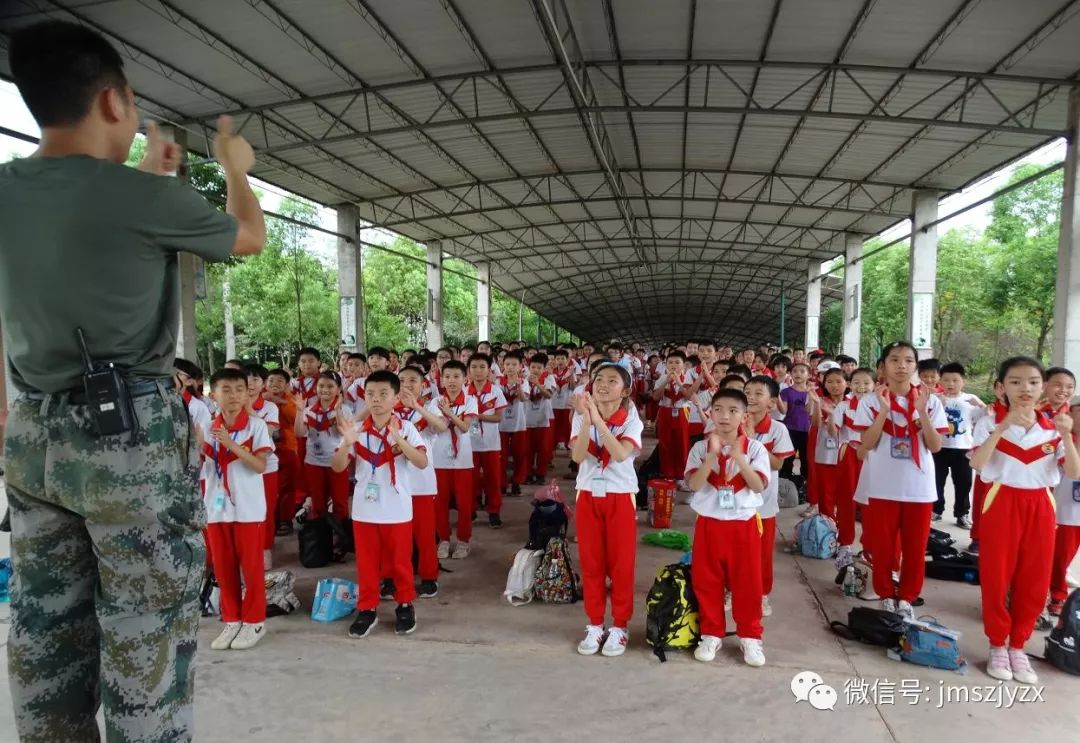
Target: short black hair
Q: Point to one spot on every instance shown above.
(257, 370)
(954, 368)
(1053, 371)
(561, 352)
(539, 358)
(281, 373)
(386, 377)
(768, 382)
(417, 370)
(729, 394)
(676, 354)
(741, 370)
(930, 365)
(188, 367)
(332, 376)
(732, 378)
(516, 355)
(226, 374)
(309, 351)
(380, 352)
(480, 357)
(60, 68)
(455, 364)
(357, 357)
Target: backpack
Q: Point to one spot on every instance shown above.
(341, 537)
(957, 567)
(671, 611)
(872, 626)
(210, 595)
(316, 543)
(815, 536)
(647, 470)
(280, 599)
(1063, 642)
(787, 495)
(940, 543)
(927, 642)
(521, 581)
(556, 582)
(547, 521)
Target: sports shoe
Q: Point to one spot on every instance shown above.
(268, 560)
(964, 522)
(224, 640)
(905, 610)
(1055, 608)
(936, 517)
(429, 589)
(766, 607)
(405, 619)
(594, 633)
(284, 529)
(727, 600)
(249, 636)
(973, 548)
(444, 550)
(753, 652)
(1021, 667)
(386, 590)
(707, 647)
(461, 551)
(494, 521)
(363, 624)
(515, 489)
(998, 665)
(1044, 622)
(615, 644)
(888, 605)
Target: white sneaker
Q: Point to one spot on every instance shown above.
(727, 600)
(249, 636)
(1021, 667)
(615, 644)
(444, 550)
(753, 652)
(707, 647)
(224, 640)
(1070, 579)
(268, 560)
(594, 633)
(766, 607)
(906, 610)
(888, 605)
(998, 664)
(461, 551)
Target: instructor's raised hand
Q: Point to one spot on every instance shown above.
(232, 150)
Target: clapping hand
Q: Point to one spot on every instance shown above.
(232, 150)
(161, 157)
(347, 426)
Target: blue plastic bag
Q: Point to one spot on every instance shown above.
(926, 642)
(335, 598)
(5, 579)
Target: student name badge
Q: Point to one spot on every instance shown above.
(217, 498)
(317, 448)
(900, 448)
(831, 443)
(450, 453)
(1076, 491)
(726, 494)
(371, 493)
(598, 486)
(509, 414)
(474, 428)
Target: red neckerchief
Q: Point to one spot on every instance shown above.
(510, 390)
(1045, 407)
(483, 406)
(358, 393)
(563, 378)
(412, 415)
(828, 407)
(618, 418)
(307, 386)
(673, 393)
(259, 403)
(911, 429)
(762, 428)
(849, 414)
(222, 456)
(719, 479)
(1037, 452)
(999, 410)
(458, 402)
(536, 392)
(324, 419)
(385, 455)
(187, 395)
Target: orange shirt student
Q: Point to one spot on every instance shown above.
(290, 490)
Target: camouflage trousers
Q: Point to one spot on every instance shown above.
(108, 556)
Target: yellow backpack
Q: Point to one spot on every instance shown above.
(671, 611)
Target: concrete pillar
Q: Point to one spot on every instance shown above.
(350, 280)
(853, 249)
(185, 339)
(483, 302)
(813, 304)
(922, 279)
(226, 311)
(1067, 293)
(434, 287)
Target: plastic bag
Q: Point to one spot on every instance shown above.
(5, 579)
(335, 598)
(670, 538)
(552, 491)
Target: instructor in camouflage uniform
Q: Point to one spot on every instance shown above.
(106, 530)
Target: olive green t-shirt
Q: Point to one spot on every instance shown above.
(89, 243)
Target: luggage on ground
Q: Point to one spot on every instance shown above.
(815, 536)
(316, 542)
(521, 580)
(927, 642)
(1063, 642)
(556, 582)
(671, 611)
(872, 626)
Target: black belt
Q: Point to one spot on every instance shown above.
(78, 396)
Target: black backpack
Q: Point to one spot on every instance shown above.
(316, 538)
(957, 567)
(1063, 642)
(341, 537)
(548, 520)
(872, 626)
(940, 543)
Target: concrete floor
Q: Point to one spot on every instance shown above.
(478, 669)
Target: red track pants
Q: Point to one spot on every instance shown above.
(539, 452)
(911, 521)
(673, 432)
(1016, 550)
(301, 472)
(849, 469)
(270, 490)
(456, 484)
(562, 426)
(383, 549)
(288, 485)
(323, 486)
(728, 553)
(826, 483)
(516, 445)
(768, 547)
(423, 528)
(607, 544)
(487, 479)
(1066, 543)
(978, 496)
(237, 549)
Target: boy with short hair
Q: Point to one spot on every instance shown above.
(290, 483)
(382, 501)
(961, 410)
(354, 389)
(454, 460)
(306, 381)
(673, 391)
(930, 374)
(727, 473)
(565, 381)
(234, 459)
(484, 434)
(258, 405)
(189, 377)
(512, 430)
(538, 418)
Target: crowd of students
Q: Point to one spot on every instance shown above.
(417, 435)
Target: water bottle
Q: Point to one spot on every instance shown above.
(850, 586)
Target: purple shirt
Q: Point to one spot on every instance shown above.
(797, 417)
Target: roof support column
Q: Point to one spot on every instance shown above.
(813, 304)
(483, 302)
(185, 339)
(434, 291)
(350, 280)
(1067, 294)
(853, 250)
(922, 280)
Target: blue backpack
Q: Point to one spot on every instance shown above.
(927, 642)
(815, 536)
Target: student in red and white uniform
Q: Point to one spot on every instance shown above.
(305, 384)
(268, 412)
(234, 458)
(538, 416)
(1019, 455)
(824, 439)
(453, 458)
(514, 436)
(761, 395)
(901, 425)
(485, 438)
(1058, 391)
(354, 384)
(604, 440)
(188, 378)
(382, 447)
(862, 384)
(727, 473)
(673, 391)
(565, 377)
(318, 428)
(1067, 536)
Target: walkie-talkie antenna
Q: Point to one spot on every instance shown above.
(87, 361)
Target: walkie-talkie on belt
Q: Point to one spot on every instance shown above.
(106, 394)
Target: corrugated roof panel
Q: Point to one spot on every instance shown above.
(425, 29)
(731, 29)
(1055, 56)
(812, 32)
(508, 32)
(761, 142)
(651, 30)
(895, 32)
(991, 27)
